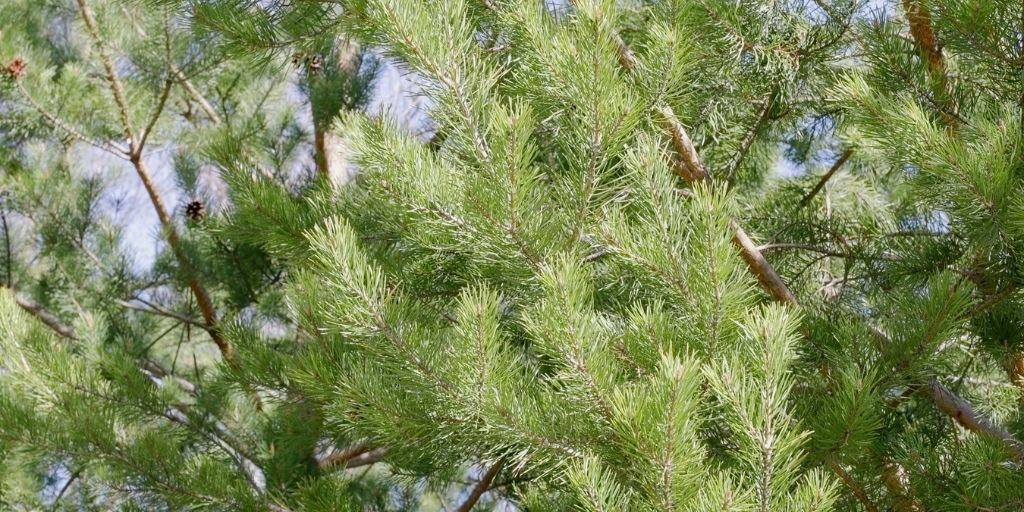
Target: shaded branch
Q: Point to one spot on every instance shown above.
(855, 488)
(64, 488)
(481, 487)
(824, 179)
(48, 319)
(366, 459)
(748, 139)
(336, 457)
(154, 309)
(359, 454)
(894, 477)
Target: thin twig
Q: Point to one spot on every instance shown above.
(154, 309)
(48, 319)
(824, 179)
(481, 487)
(63, 125)
(855, 488)
(748, 139)
(64, 488)
(164, 94)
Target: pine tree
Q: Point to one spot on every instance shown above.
(588, 290)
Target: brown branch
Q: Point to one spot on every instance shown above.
(359, 454)
(64, 488)
(626, 57)
(116, 87)
(190, 88)
(759, 266)
(366, 459)
(335, 458)
(1016, 371)
(330, 149)
(66, 127)
(964, 414)
(154, 309)
(135, 155)
(47, 318)
(855, 488)
(920, 20)
(164, 94)
(894, 477)
(481, 487)
(688, 165)
(824, 179)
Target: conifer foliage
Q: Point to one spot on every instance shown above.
(588, 290)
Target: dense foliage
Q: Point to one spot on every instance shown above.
(676, 255)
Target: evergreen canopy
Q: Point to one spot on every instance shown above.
(588, 287)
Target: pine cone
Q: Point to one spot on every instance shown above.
(194, 210)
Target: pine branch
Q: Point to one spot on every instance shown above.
(964, 414)
(855, 488)
(824, 179)
(116, 87)
(64, 488)
(70, 130)
(154, 309)
(894, 477)
(945, 400)
(920, 20)
(45, 317)
(223, 439)
(481, 487)
(136, 147)
(688, 166)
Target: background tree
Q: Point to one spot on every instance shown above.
(558, 301)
